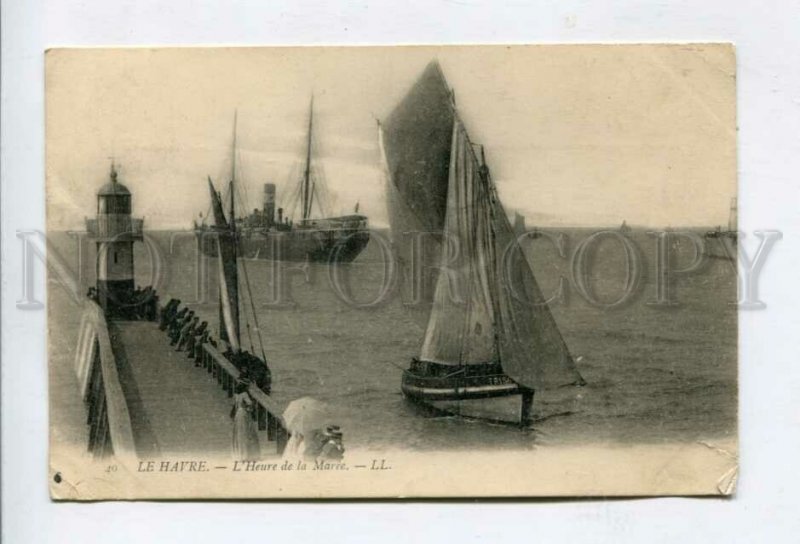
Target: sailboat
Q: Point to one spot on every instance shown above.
(520, 229)
(227, 241)
(732, 224)
(271, 234)
(490, 333)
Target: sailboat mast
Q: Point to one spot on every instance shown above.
(307, 196)
(233, 175)
(488, 195)
(233, 149)
(234, 288)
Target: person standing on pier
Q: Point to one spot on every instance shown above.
(187, 332)
(245, 438)
(176, 321)
(198, 347)
(179, 327)
(149, 310)
(168, 312)
(192, 338)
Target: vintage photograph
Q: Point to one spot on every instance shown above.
(392, 272)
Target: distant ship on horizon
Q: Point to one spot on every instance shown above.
(521, 229)
(726, 240)
(265, 234)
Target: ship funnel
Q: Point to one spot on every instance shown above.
(269, 204)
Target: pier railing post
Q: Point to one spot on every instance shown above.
(267, 411)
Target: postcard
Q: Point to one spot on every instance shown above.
(392, 272)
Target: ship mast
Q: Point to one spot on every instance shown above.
(232, 217)
(307, 192)
(732, 216)
(233, 173)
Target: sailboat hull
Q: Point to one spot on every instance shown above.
(489, 396)
(420, 385)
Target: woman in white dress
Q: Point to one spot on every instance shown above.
(245, 437)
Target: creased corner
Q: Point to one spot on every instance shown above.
(726, 485)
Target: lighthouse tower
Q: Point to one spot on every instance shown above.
(115, 231)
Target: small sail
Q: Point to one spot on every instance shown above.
(228, 272)
(519, 224)
(532, 351)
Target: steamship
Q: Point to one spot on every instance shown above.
(270, 234)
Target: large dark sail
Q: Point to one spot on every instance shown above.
(228, 271)
(416, 138)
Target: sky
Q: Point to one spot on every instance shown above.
(586, 135)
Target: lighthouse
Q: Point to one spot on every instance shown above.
(115, 231)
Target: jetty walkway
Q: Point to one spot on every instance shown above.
(146, 399)
(174, 406)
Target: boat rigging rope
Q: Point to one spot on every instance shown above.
(253, 310)
(249, 336)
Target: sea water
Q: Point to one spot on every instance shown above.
(655, 372)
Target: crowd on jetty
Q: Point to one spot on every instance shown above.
(139, 304)
(187, 333)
